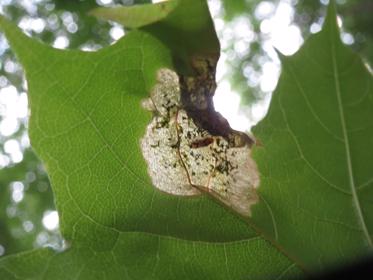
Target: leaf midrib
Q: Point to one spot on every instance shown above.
(355, 198)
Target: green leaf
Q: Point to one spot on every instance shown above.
(317, 157)
(184, 26)
(86, 122)
(136, 16)
(141, 256)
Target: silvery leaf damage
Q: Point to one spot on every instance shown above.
(188, 158)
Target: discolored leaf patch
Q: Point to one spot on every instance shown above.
(186, 159)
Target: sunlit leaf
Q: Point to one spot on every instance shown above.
(137, 15)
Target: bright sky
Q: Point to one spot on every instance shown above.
(280, 33)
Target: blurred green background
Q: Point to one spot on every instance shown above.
(247, 74)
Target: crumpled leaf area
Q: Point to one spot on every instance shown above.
(184, 159)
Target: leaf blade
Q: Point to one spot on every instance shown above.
(313, 180)
(136, 16)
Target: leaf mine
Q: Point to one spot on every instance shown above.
(186, 159)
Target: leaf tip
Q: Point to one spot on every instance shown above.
(99, 13)
(280, 55)
(11, 31)
(92, 12)
(3, 22)
(331, 22)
